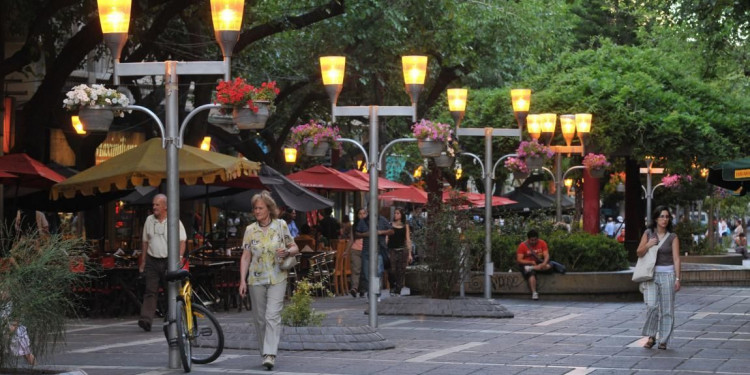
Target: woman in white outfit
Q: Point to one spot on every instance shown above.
(659, 292)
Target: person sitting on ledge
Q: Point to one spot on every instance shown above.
(741, 245)
(532, 256)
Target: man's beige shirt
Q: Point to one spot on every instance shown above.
(155, 233)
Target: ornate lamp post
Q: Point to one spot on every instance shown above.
(332, 70)
(542, 128)
(114, 17)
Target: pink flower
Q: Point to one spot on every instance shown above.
(534, 149)
(314, 132)
(516, 165)
(595, 161)
(426, 129)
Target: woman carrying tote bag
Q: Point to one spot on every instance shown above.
(659, 292)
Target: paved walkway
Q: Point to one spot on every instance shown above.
(544, 337)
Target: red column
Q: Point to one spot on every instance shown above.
(590, 203)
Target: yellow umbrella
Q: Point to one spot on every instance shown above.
(147, 165)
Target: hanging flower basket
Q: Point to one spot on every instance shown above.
(311, 149)
(597, 172)
(518, 175)
(96, 118)
(429, 148)
(245, 118)
(443, 160)
(534, 162)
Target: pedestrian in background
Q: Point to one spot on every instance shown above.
(153, 261)
(659, 292)
(355, 256)
(399, 251)
(363, 231)
(265, 244)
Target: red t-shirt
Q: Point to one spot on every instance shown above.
(539, 249)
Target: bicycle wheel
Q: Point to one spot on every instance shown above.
(207, 338)
(183, 336)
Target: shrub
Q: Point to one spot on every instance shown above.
(442, 239)
(300, 313)
(579, 252)
(38, 282)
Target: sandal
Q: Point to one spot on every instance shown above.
(650, 343)
(663, 346)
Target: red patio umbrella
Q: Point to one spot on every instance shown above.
(29, 172)
(383, 183)
(408, 194)
(320, 177)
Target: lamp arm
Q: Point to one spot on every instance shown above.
(654, 188)
(391, 143)
(361, 148)
(153, 116)
(554, 181)
(477, 158)
(190, 117)
(494, 167)
(572, 169)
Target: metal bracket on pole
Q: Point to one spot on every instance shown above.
(359, 145)
(391, 143)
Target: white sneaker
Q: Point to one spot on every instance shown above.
(535, 296)
(269, 361)
(528, 268)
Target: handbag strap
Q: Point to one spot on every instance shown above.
(661, 242)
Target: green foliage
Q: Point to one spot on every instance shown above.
(444, 248)
(38, 283)
(685, 230)
(299, 312)
(579, 252)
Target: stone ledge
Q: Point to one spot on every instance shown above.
(325, 338)
(730, 259)
(455, 307)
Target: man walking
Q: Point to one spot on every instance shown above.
(153, 261)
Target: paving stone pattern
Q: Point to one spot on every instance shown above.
(712, 335)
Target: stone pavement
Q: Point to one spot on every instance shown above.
(712, 335)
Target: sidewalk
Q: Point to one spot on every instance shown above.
(712, 335)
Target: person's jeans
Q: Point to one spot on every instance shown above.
(365, 282)
(356, 267)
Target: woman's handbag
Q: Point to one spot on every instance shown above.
(288, 263)
(644, 268)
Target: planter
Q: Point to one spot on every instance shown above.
(518, 175)
(443, 161)
(597, 172)
(96, 118)
(534, 162)
(320, 149)
(245, 118)
(429, 148)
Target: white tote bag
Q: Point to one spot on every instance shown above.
(644, 268)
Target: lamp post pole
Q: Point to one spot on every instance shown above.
(227, 19)
(332, 70)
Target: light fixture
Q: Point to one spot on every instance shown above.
(457, 104)
(206, 144)
(418, 172)
(415, 70)
(459, 171)
(521, 100)
(568, 182)
(114, 17)
(583, 126)
(290, 155)
(227, 20)
(77, 125)
(332, 70)
(704, 172)
(568, 128)
(547, 124)
(533, 126)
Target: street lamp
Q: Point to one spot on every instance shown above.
(332, 69)
(457, 104)
(290, 155)
(77, 125)
(114, 17)
(206, 144)
(520, 100)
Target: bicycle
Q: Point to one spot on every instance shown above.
(199, 335)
